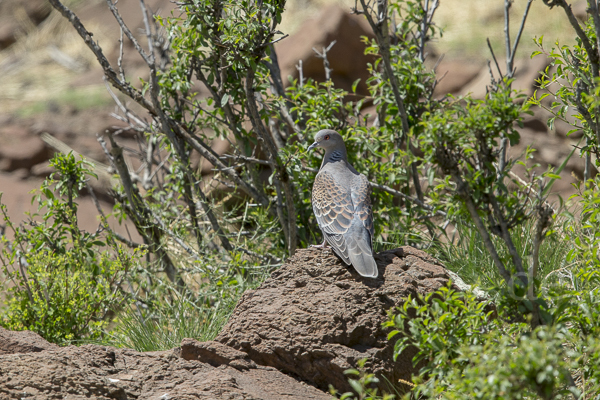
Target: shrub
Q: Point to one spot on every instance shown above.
(59, 281)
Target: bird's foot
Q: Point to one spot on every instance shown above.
(320, 246)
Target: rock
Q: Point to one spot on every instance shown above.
(101, 372)
(527, 71)
(20, 149)
(453, 75)
(346, 57)
(315, 317)
(538, 121)
(215, 354)
(579, 9)
(12, 342)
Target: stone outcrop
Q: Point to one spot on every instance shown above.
(289, 339)
(346, 57)
(315, 317)
(23, 342)
(101, 372)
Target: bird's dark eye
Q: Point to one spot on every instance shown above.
(326, 137)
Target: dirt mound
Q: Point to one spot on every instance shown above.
(23, 342)
(101, 372)
(315, 317)
(304, 326)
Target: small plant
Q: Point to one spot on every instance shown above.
(164, 326)
(438, 324)
(467, 352)
(59, 281)
(516, 367)
(360, 380)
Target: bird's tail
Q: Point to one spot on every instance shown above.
(364, 264)
(360, 252)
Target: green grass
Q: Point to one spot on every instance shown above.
(214, 288)
(468, 257)
(165, 327)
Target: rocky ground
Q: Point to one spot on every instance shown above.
(289, 339)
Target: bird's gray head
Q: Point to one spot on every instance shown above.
(328, 140)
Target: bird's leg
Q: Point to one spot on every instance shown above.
(320, 246)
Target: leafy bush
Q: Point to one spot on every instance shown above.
(60, 283)
(360, 380)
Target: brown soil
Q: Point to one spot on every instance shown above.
(288, 339)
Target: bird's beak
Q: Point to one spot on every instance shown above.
(312, 146)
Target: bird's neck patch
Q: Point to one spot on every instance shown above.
(335, 155)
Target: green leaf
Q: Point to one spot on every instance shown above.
(356, 385)
(224, 99)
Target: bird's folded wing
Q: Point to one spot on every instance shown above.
(332, 204)
(361, 201)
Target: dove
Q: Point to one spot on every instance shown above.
(341, 201)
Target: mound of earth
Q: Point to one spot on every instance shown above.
(315, 317)
(289, 339)
(100, 372)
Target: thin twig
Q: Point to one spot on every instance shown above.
(494, 57)
(463, 191)
(127, 31)
(510, 70)
(104, 220)
(424, 29)
(507, 4)
(109, 72)
(281, 176)
(323, 55)
(301, 74)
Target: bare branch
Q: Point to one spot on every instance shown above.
(301, 74)
(424, 29)
(507, 4)
(494, 57)
(278, 90)
(206, 152)
(510, 69)
(127, 31)
(589, 48)
(141, 214)
(95, 48)
(380, 28)
(463, 192)
(323, 56)
(505, 235)
(281, 176)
